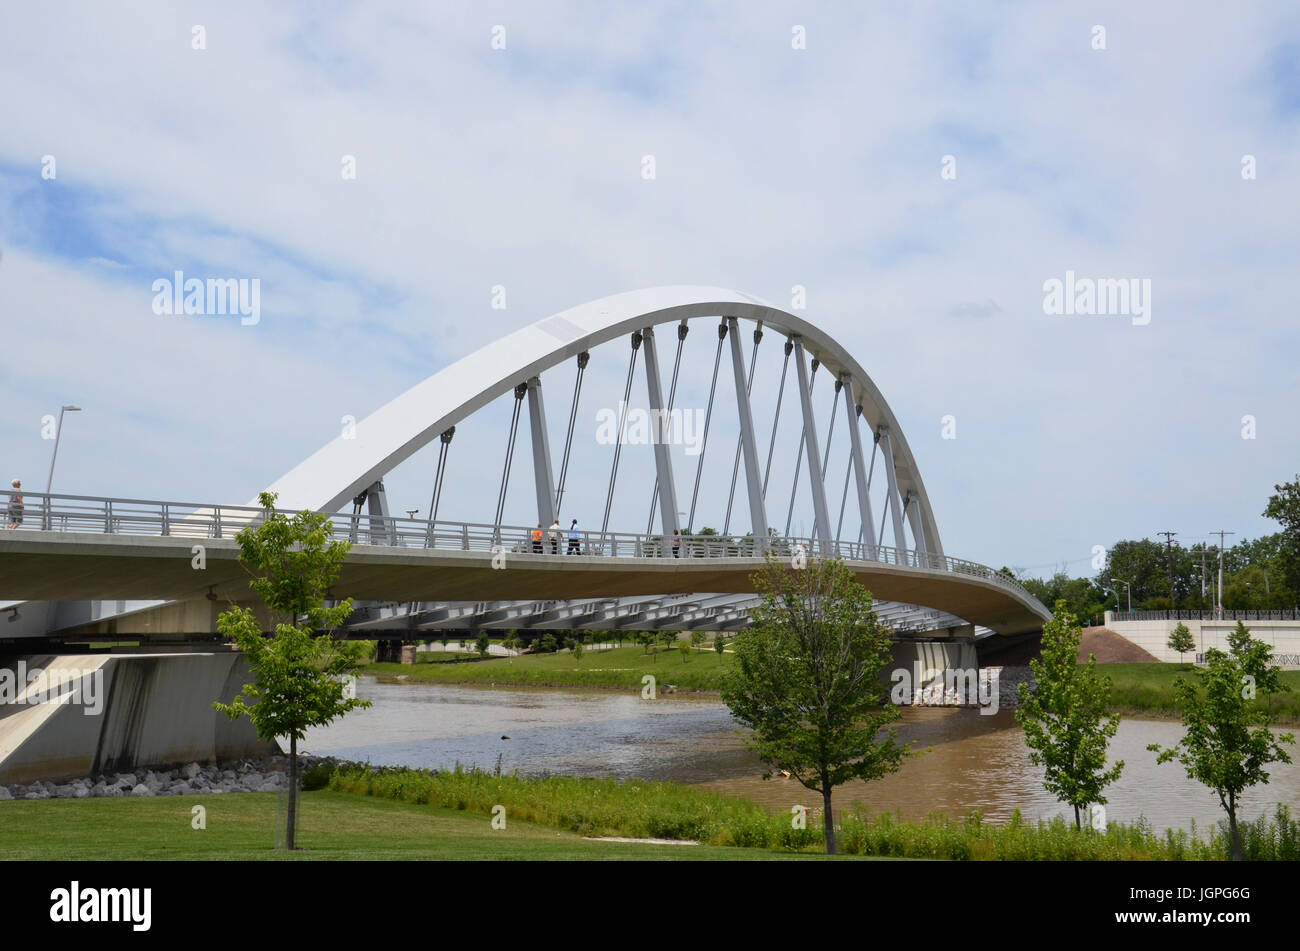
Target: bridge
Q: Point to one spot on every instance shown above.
(84, 566)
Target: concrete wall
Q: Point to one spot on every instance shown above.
(120, 712)
(1153, 636)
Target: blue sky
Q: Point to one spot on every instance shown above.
(521, 167)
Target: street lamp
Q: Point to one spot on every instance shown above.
(1128, 588)
(58, 433)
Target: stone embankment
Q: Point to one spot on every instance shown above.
(270, 774)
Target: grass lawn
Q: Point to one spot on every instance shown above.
(1149, 688)
(614, 667)
(336, 826)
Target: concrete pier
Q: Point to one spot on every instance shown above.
(72, 715)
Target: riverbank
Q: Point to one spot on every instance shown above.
(605, 807)
(1137, 689)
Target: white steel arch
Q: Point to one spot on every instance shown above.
(340, 470)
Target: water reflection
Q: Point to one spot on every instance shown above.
(970, 761)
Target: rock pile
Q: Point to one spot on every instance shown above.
(264, 775)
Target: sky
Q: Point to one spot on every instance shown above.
(923, 170)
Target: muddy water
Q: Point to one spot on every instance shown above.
(964, 760)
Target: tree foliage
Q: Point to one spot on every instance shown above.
(807, 680)
(301, 674)
(1064, 718)
(1180, 639)
(1227, 742)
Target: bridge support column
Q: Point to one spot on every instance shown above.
(895, 498)
(820, 509)
(661, 428)
(542, 471)
(753, 481)
(100, 713)
(854, 409)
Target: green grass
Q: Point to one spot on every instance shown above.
(1149, 688)
(614, 667)
(333, 825)
(674, 811)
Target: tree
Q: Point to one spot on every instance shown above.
(684, 649)
(546, 643)
(1064, 718)
(300, 674)
(577, 652)
(807, 680)
(1180, 639)
(1228, 743)
(482, 644)
(697, 639)
(1284, 508)
(719, 643)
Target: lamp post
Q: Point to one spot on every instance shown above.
(1128, 589)
(58, 434)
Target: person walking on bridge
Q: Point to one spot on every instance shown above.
(555, 533)
(575, 539)
(537, 539)
(15, 510)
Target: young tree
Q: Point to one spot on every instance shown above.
(1228, 742)
(1180, 639)
(807, 680)
(719, 643)
(481, 645)
(577, 652)
(684, 649)
(646, 639)
(697, 639)
(300, 674)
(1064, 718)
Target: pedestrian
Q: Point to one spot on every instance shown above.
(16, 505)
(537, 539)
(575, 539)
(677, 543)
(555, 533)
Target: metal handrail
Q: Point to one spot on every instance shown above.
(1209, 614)
(115, 516)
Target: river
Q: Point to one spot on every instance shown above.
(965, 760)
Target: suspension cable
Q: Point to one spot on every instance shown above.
(848, 472)
(798, 464)
(622, 419)
(871, 471)
(780, 392)
(735, 465)
(520, 390)
(826, 454)
(441, 471)
(682, 331)
(573, 418)
(708, 415)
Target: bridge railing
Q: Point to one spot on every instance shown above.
(113, 516)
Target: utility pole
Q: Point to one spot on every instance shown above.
(1219, 604)
(1169, 547)
(1203, 547)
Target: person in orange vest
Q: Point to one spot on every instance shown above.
(537, 538)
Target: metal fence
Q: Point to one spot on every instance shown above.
(93, 515)
(1288, 614)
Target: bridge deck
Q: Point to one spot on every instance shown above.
(64, 566)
